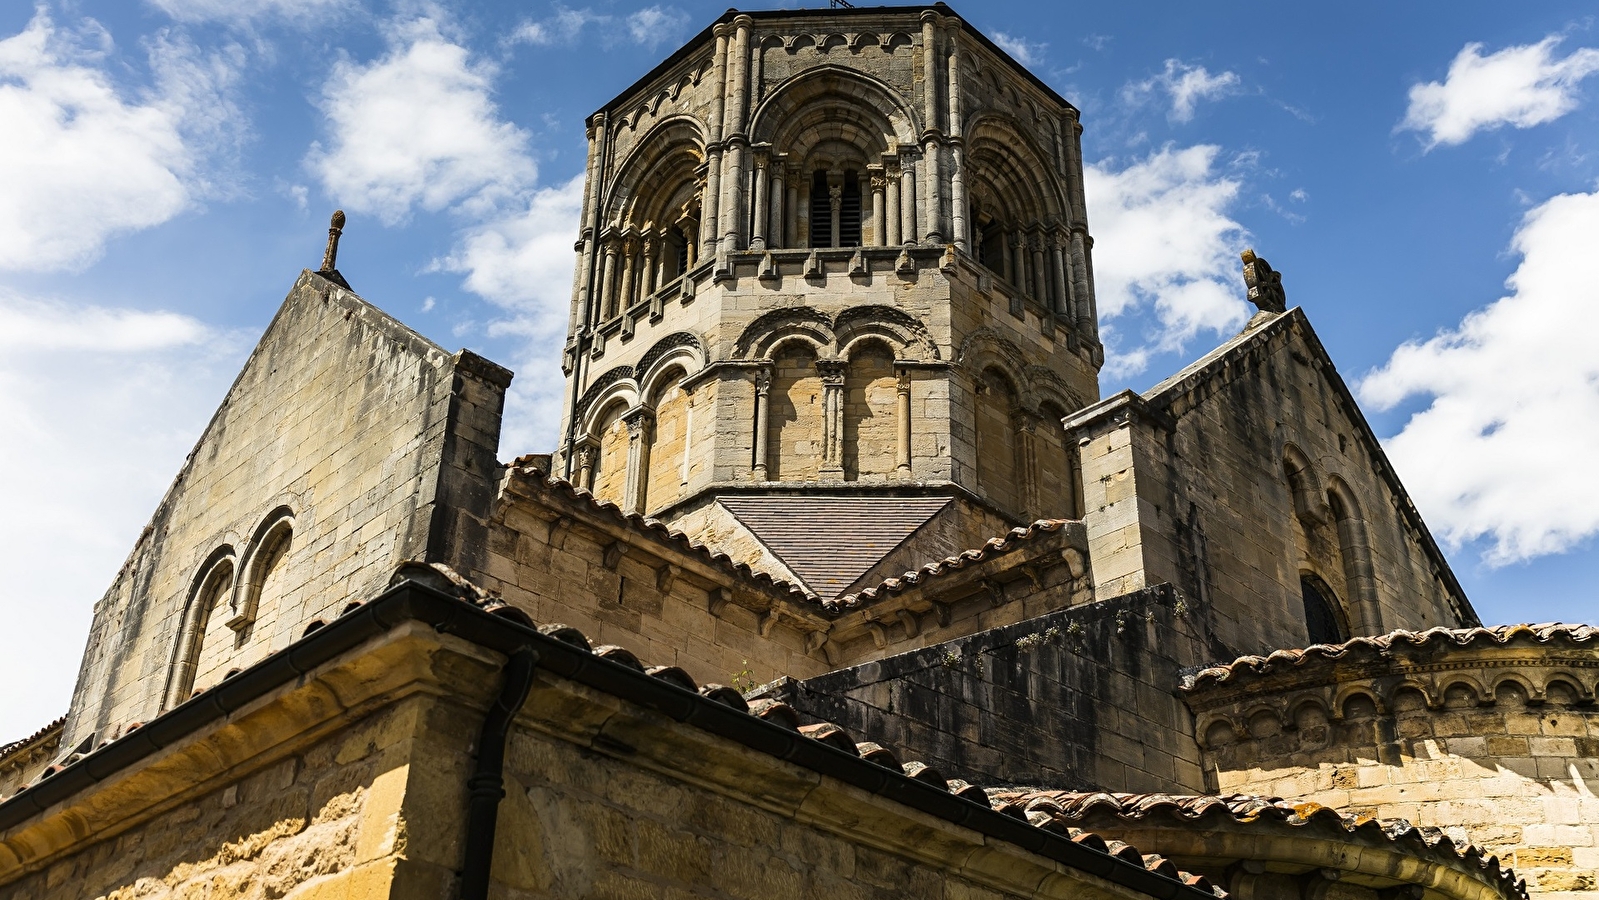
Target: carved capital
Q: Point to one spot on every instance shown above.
(639, 422)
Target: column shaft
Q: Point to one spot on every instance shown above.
(902, 415)
(763, 390)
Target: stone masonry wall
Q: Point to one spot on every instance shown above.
(1188, 484)
(1079, 698)
(1506, 757)
(378, 444)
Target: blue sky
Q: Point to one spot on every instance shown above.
(1424, 175)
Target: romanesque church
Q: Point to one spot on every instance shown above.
(840, 579)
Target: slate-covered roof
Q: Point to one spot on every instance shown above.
(1009, 542)
(1381, 649)
(829, 542)
(1201, 814)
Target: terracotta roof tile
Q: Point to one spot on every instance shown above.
(1072, 808)
(999, 546)
(15, 745)
(1381, 648)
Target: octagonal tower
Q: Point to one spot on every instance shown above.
(840, 256)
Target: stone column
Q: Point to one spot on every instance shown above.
(763, 391)
(640, 432)
(607, 286)
(957, 162)
(1018, 264)
(1027, 459)
(832, 417)
(1040, 274)
(907, 200)
(902, 419)
(710, 201)
(691, 234)
(652, 263)
(879, 185)
(761, 215)
(1063, 302)
(625, 296)
(733, 212)
(835, 201)
(932, 216)
(591, 216)
(775, 236)
(891, 200)
(585, 467)
(1085, 309)
(792, 207)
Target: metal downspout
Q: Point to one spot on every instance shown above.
(487, 784)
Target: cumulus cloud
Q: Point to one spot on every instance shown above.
(1505, 449)
(1184, 86)
(100, 406)
(245, 12)
(1164, 245)
(1519, 86)
(1028, 53)
(418, 127)
(654, 24)
(80, 162)
(522, 262)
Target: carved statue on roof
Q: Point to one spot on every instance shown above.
(1265, 284)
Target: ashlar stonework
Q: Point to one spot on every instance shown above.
(840, 579)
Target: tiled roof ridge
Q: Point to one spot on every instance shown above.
(1248, 809)
(1383, 646)
(7, 749)
(657, 529)
(995, 546)
(433, 574)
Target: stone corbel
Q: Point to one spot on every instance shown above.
(559, 529)
(911, 624)
(716, 600)
(612, 557)
(879, 635)
(665, 577)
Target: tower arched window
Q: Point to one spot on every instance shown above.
(835, 209)
(1322, 620)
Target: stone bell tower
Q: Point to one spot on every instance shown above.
(834, 289)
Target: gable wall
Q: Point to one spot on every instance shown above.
(1206, 501)
(374, 439)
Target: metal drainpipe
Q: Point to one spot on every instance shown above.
(487, 784)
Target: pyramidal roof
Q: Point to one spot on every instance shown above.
(829, 542)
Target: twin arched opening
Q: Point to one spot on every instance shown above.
(1338, 585)
(224, 605)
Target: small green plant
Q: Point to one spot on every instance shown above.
(951, 659)
(743, 680)
(1052, 633)
(1074, 630)
(1028, 641)
(1181, 609)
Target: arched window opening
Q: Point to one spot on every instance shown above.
(871, 392)
(610, 462)
(1057, 469)
(849, 212)
(215, 585)
(1322, 619)
(795, 449)
(821, 211)
(996, 440)
(669, 443)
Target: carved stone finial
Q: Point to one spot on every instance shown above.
(335, 228)
(1265, 284)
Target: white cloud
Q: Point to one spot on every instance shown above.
(1028, 53)
(244, 12)
(654, 24)
(100, 406)
(80, 163)
(649, 27)
(418, 128)
(1505, 450)
(1520, 86)
(1164, 242)
(1184, 85)
(522, 262)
